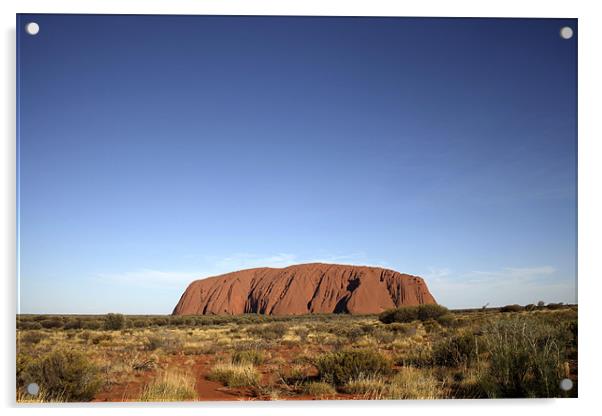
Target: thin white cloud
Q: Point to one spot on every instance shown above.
(149, 277)
(213, 266)
(501, 287)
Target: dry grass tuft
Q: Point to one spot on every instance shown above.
(319, 389)
(235, 375)
(415, 384)
(170, 386)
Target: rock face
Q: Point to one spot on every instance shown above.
(302, 289)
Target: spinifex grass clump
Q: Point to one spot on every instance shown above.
(526, 358)
(171, 386)
(235, 375)
(319, 389)
(254, 357)
(341, 367)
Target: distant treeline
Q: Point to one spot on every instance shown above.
(517, 308)
(116, 321)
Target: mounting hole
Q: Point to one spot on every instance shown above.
(33, 389)
(566, 32)
(32, 28)
(566, 384)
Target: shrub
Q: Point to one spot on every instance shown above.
(554, 306)
(160, 321)
(235, 375)
(63, 375)
(31, 337)
(74, 323)
(405, 314)
(431, 326)
(426, 312)
(455, 350)
(52, 323)
(447, 320)
(319, 389)
(92, 324)
(413, 313)
(26, 325)
(114, 321)
(511, 308)
(170, 387)
(530, 307)
(340, 367)
(140, 323)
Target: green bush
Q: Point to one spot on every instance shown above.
(340, 367)
(426, 312)
(456, 350)
(27, 325)
(160, 321)
(448, 320)
(92, 324)
(114, 321)
(511, 308)
(63, 375)
(405, 314)
(74, 323)
(413, 313)
(272, 331)
(52, 323)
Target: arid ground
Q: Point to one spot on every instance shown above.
(408, 354)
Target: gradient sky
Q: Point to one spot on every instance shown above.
(154, 150)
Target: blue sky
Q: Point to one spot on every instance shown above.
(157, 150)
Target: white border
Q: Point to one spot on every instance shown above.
(590, 206)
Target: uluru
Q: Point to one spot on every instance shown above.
(304, 289)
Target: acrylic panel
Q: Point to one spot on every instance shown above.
(295, 208)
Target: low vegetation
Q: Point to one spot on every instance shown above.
(171, 386)
(235, 375)
(413, 313)
(62, 375)
(341, 367)
(422, 352)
